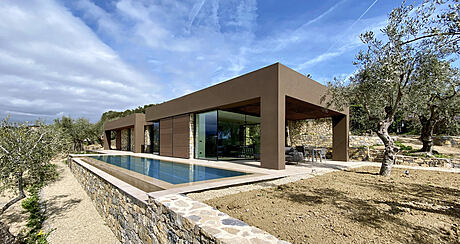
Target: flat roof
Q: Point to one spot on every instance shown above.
(275, 80)
(125, 122)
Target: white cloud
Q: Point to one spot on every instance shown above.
(51, 63)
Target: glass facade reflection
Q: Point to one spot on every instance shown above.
(206, 135)
(223, 135)
(155, 137)
(153, 146)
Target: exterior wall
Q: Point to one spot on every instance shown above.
(169, 219)
(132, 139)
(134, 121)
(118, 139)
(181, 136)
(107, 140)
(166, 137)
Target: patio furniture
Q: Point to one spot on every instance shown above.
(292, 155)
(302, 149)
(320, 152)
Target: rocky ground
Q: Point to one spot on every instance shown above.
(355, 206)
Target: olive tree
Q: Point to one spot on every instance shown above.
(433, 97)
(78, 131)
(386, 68)
(25, 154)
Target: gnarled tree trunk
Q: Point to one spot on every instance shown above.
(389, 153)
(428, 125)
(427, 135)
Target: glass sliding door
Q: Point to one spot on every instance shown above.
(230, 140)
(252, 136)
(155, 137)
(206, 135)
(224, 135)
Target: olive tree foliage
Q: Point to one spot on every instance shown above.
(25, 154)
(386, 67)
(433, 97)
(79, 131)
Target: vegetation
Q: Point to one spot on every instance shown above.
(433, 97)
(111, 115)
(25, 155)
(35, 220)
(78, 131)
(403, 147)
(386, 69)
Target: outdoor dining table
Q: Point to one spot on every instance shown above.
(315, 150)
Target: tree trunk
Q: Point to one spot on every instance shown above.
(16, 199)
(428, 125)
(5, 234)
(389, 153)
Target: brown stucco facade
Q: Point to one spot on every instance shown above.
(136, 122)
(276, 93)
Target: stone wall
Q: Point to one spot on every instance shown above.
(136, 218)
(449, 141)
(124, 140)
(316, 133)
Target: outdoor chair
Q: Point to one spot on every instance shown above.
(319, 152)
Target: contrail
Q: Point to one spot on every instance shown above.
(195, 12)
(356, 21)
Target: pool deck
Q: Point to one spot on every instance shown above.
(258, 174)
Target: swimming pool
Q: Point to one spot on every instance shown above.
(171, 172)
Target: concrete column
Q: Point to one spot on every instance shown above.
(138, 136)
(340, 129)
(118, 140)
(107, 140)
(272, 132)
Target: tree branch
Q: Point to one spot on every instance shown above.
(6, 151)
(431, 35)
(16, 199)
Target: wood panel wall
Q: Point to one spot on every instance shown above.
(181, 136)
(166, 137)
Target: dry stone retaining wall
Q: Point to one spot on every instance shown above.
(168, 219)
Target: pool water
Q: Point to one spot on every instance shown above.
(174, 173)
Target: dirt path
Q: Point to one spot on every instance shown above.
(71, 213)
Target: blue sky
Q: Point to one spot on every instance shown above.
(81, 58)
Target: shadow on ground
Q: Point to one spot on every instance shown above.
(58, 205)
(392, 206)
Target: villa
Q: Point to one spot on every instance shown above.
(242, 118)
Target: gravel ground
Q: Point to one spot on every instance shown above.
(355, 206)
(15, 216)
(210, 194)
(71, 213)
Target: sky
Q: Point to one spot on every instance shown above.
(80, 58)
